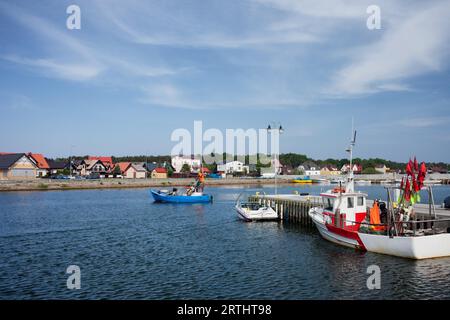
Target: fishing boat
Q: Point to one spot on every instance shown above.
(303, 180)
(166, 196)
(255, 211)
(390, 228)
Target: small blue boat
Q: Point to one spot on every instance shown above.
(161, 196)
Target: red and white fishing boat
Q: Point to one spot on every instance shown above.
(391, 228)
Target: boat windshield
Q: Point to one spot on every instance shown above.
(328, 204)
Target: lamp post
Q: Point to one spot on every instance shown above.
(271, 128)
(70, 160)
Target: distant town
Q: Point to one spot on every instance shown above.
(17, 166)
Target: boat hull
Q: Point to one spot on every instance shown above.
(422, 247)
(336, 235)
(165, 198)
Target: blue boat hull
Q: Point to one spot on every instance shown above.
(162, 197)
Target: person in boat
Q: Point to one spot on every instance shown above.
(200, 182)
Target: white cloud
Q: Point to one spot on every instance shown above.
(77, 72)
(413, 46)
(424, 122)
(72, 59)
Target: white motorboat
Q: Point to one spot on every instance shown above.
(255, 211)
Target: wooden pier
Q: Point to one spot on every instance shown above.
(295, 208)
(290, 208)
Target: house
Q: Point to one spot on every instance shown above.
(357, 168)
(17, 166)
(179, 161)
(438, 169)
(132, 170)
(232, 167)
(42, 164)
(159, 173)
(381, 168)
(55, 166)
(87, 167)
(310, 168)
(107, 161)
(150, 166)
(329, 170)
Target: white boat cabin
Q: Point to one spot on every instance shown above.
(345, 210)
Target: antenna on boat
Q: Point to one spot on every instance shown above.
(350, 180)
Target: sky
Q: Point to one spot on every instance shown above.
(138, 70)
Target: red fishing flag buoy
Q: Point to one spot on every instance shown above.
(409, 168)
(416, 165)
(408, 191)
(416, 187)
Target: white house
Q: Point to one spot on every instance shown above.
(310, 168)
(179, 161)
(233, 167)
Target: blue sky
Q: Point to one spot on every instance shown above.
(137, 70)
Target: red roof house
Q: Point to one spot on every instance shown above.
(107, 161)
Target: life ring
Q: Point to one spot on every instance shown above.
(338, 190)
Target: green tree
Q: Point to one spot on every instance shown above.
(117, 171)
(186, 168)
(370, 171)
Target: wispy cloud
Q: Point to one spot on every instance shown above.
(414, 45)
(424, 122)
(16, 102)
(142, 24)
(57, 69)
(70, 58)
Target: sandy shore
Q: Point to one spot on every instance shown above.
(48, 184)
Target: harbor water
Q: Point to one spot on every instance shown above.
(128, 247)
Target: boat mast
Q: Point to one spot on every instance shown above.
(350, 179)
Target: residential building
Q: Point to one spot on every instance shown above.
(310, 168)
(17, 166)
(382, 169)
(232, 167)
(43, 168)
(159, 173)
(55, 166)
(87, 167)
(132, 170)
(179, 161)
(329, 170)
(357, 168)
(107, 161)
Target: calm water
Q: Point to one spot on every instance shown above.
(130, 248)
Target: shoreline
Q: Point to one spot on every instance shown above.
(52, 185)
(43, 184)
